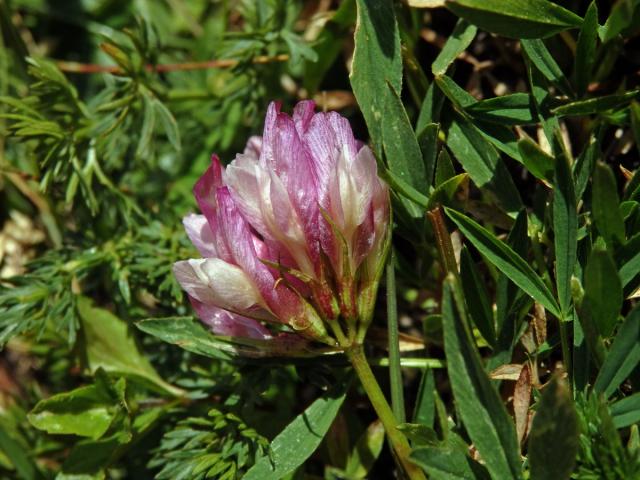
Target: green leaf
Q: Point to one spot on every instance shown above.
(430, 108)
(366, 451)
(424, 412)
(565, 230)
(148, 124)
(512, 109)
(445, 463)
(506, 260)
(445, 193)
(187, 333)
(623, 14)
(477, 298)
(298, 48)
(538, 162)
(86, 411)
(539, 55)
(623, 356)
(605, 205)
(299, 439)
(483, 163)
(454, 92)
(634, 110)
(626, 412)
(516, 18)
(169, 124)
(603, 291)
(485, 418)
(329, 44)
(401, 187)
(583, 166)
(631, 266)
(461, 37)
(25, 467)
(445, 169)
(554, 436)
(586, 50)
(110, 345)
(595, 105)
(428, 141)
(401, 148)
(376, 61)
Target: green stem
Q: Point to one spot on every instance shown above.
(410, 362)
(564, 342)
(398, 441)
(395, 373)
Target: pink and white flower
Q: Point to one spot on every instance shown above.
(290, 232)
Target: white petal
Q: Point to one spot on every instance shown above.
(216, 282)
(200, 234)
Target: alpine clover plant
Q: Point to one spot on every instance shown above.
(493, 194)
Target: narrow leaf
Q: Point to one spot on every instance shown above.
(481, 409)
(586, 50)
(553, 441)
(376, 61)
(596, 105)
(461, 37)
(516, 18)
(401, 148)
(295, 444)
(512, 109)
(565, 228)
(483, 163)
(539, 55)
(507, 261)
(623, 356)
(603, 291)
(538, 162)
(477, 298)
(605, 205)
(626, 412)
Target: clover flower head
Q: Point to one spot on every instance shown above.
(292, 233)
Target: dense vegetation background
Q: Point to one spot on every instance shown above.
(109, 112)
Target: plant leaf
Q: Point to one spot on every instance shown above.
(111, 346)
(586, 50)
(516, 18)
(481, 409)
(483, 163)
(461, 37)
(605, 205)
(508, 261)
(565, 230)
(623, 356)
(376, 61)
(553, 440)
(603, 291)
(626, 412)
(401, 148)
(299, 439)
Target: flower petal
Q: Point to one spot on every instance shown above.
(200, 234)
(216, 282)
(223, 322)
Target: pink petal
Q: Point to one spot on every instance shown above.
(200, 234)
(229, 324)
(205, 188)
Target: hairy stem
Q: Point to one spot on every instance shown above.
(398, 441)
